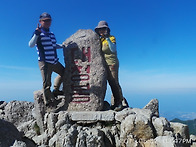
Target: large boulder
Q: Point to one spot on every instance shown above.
(19, 112)
(181, 130)
(153, 106)
(8, 134)
(39, 110)
(85, 74)
(161, 125)
(138, 125)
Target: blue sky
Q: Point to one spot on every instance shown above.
(155, 42)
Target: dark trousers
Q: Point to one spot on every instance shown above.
(112, 73)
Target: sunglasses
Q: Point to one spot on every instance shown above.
(104, 28)
(47, 20)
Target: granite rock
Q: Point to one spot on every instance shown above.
(85, 73)
(131, 127)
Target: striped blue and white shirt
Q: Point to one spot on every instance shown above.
(46, 46)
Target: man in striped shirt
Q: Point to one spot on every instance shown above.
(45, 42)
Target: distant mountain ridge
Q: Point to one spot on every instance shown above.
(191, 124)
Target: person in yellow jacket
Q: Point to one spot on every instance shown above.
(110, 54)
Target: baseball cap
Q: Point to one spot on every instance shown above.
(44, 16)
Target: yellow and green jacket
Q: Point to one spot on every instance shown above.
(110, 57)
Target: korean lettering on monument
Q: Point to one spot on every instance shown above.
(80, 70)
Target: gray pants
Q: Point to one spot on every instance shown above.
(46, 72)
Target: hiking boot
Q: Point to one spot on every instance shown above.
(118, 107)
(57, 92)
(51, 107)
(48, 97)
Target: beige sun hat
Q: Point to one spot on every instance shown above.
(102, 24)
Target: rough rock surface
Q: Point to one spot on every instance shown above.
(153, 106)
(39, 110)
(85, 74)
(8, 133)
(193, 139)
(131, 127)
(18, 112)
(11, 136)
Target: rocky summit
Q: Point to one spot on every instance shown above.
(131, 127)
(80, 117)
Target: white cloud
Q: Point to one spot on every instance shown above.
(188, 116)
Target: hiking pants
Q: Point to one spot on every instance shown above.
(46, 72)
(112, 77)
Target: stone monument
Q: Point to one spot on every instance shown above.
(85, 74)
